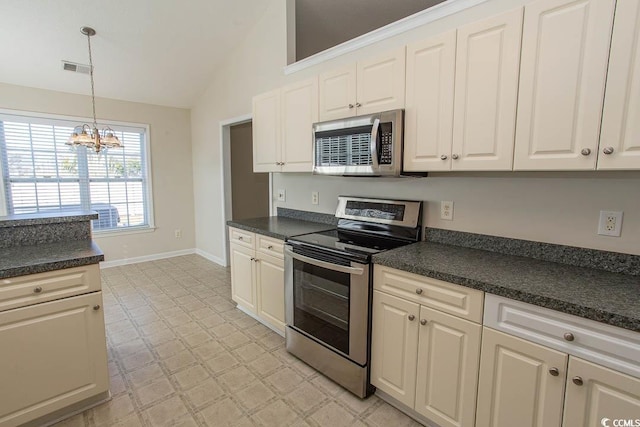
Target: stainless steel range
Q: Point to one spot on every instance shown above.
(328, 286)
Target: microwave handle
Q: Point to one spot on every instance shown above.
(374, 143)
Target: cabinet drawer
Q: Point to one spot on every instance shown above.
(241, 237)
(444, 296)
(597, 342)
(270, 246)
(36, 288)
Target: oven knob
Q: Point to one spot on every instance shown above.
(418, 291)
(411, 317)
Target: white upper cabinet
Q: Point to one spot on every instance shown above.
(266, 132)
(370, 86)
(299, 112)
(486, 89)
(380, 83)
(429, 103)
(565, 48)
(338, 93)
(620, 135)
(282, 120)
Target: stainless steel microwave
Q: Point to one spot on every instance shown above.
(368, 145)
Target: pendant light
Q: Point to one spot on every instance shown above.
(85, 134)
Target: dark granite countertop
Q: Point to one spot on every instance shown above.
(46, 218)
(279, 227)
(603, 296)
(22, 260)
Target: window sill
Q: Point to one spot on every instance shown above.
(122, 231)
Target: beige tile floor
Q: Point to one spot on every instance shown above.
(181, 354)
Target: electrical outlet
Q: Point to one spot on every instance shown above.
(178, 233)
(610, 223)
(314, 198)
(282, 195)
(446, 210)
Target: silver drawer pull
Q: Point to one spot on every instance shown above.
(607, 150)
(569, 336)
(423, 322)
(270, 247)
(358, 105)
(411, 317)
(37, 289)
(444, 157)
(455, 156)
(577, 380)
(554, 372)
(240, 238)
(96, 307)
(419, 291)
(585, 151)
(351, 105)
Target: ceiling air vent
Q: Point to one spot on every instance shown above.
(75, 67)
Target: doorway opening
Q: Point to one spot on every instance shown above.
(245, 194)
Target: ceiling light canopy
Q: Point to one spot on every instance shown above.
(89, 135)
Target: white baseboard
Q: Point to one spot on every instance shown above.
(210, 257)
(145, 258)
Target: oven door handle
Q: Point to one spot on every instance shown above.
(374, 144)
(341, 268)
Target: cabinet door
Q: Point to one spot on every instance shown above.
(266, 132)
(299, 113)
(516, 386)
(270, 290)
(602, 394)
(565, 48)
(620, 136)
(447, 375)
(394, 346)
(429, 110)
(243, 288)
(381, 83)
(337, 92)
(486, 90)
(53, 355)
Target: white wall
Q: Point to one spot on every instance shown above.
(171, 170)
(551, 207)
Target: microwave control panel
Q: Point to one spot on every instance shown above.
(386, 144)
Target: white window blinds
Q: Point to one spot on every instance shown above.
(41, 173)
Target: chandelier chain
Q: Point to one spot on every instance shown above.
(93, 95)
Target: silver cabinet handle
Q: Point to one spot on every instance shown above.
(569, 336)
(454, 156)
(270, 247)
(554, 372)
(411, 317)
(585, 151)
(577, 380)
(351, 105)
(607, 150)
(253, 259)
(358, 105)
(240, 238)
(423, 322)
(419, 291)
(329, 266)
(444, 157)
(37, 289)
(96, 307)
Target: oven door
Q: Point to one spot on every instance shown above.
(328, 301)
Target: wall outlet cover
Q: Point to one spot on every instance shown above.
(314, 198)
(610, 223)
(446, 210)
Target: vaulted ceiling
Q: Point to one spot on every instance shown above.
(153, 51)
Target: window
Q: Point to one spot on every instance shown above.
(40, 173)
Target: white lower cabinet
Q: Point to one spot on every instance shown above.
(423, 358)
(52, 355)
(257, 276)
(521, 383)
